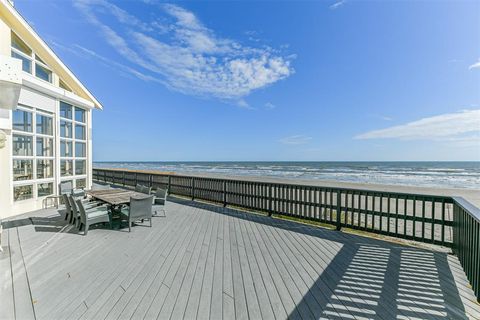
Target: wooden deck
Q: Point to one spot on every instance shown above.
(208, 262)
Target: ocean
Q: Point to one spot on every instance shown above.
(464, 175)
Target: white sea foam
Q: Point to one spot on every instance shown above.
(431, 174)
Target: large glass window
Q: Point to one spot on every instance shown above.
(22, 169)
(73, 162)
(44, 125)
(22, 120)
(81, 183)
(65, 110)
(22, 145)
(80, 167)
(80, 151)
(33, 152)
(79, 115)
(66, 149)
(66, 167)
(22, 192)
(44, 147)
(65, 129)
(80, 132)
(44, 169)
(45, 189)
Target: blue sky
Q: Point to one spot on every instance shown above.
(316, 80)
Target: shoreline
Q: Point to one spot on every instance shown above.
(471, 195)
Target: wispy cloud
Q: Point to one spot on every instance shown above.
(460, 126)
(270, 106)
(475, 65)
(337, 4)
(184, 55)
(296, 139)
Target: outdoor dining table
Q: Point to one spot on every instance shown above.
(115, 197)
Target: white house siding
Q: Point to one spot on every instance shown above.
(42, 96)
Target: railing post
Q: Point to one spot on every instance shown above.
(123, 178)
(270, 193)
(193, 188)
(150, 180)
(224, 193)
(169, 183)
(339, 214)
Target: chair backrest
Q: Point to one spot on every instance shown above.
(65, 187)
(75, 208)
(146, 190)
(81, 211)
(78, 193)
(67, 203)
(161, 196)
(138, 188)
(141, 208)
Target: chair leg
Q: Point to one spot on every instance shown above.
(86, 229)
(150, 222)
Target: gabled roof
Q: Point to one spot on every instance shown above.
(20, 26)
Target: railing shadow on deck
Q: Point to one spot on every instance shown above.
(366, 277)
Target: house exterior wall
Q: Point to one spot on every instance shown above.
(39, 97)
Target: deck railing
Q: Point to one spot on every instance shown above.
(442, 220)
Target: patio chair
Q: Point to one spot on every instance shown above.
(146, 190)
(139, 209)
(138, 188)
(68, 208)
(66, 187)
(87, 205)
(159, 201)
(92, 216)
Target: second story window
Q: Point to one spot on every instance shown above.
(31, 62)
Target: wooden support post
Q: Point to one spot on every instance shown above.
(193, 188)
(270, 200)
(339, 214)
(224, 193)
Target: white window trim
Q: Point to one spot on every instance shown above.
(34, 181)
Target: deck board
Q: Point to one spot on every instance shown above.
(7, 311)
(209, 262)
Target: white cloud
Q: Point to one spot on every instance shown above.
(475, 65)
(459, 126)
(270, 105)
(337, 4)
(296, 139)
(185, 55)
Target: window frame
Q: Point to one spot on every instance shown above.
(33, 58)
(34, 158)
(74, 140)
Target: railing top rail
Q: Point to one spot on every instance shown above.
(448, 199)
(467, 206)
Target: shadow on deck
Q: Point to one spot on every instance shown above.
(205, 261)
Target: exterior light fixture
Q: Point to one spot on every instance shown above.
(10, 82)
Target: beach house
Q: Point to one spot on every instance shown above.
(45, 119)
